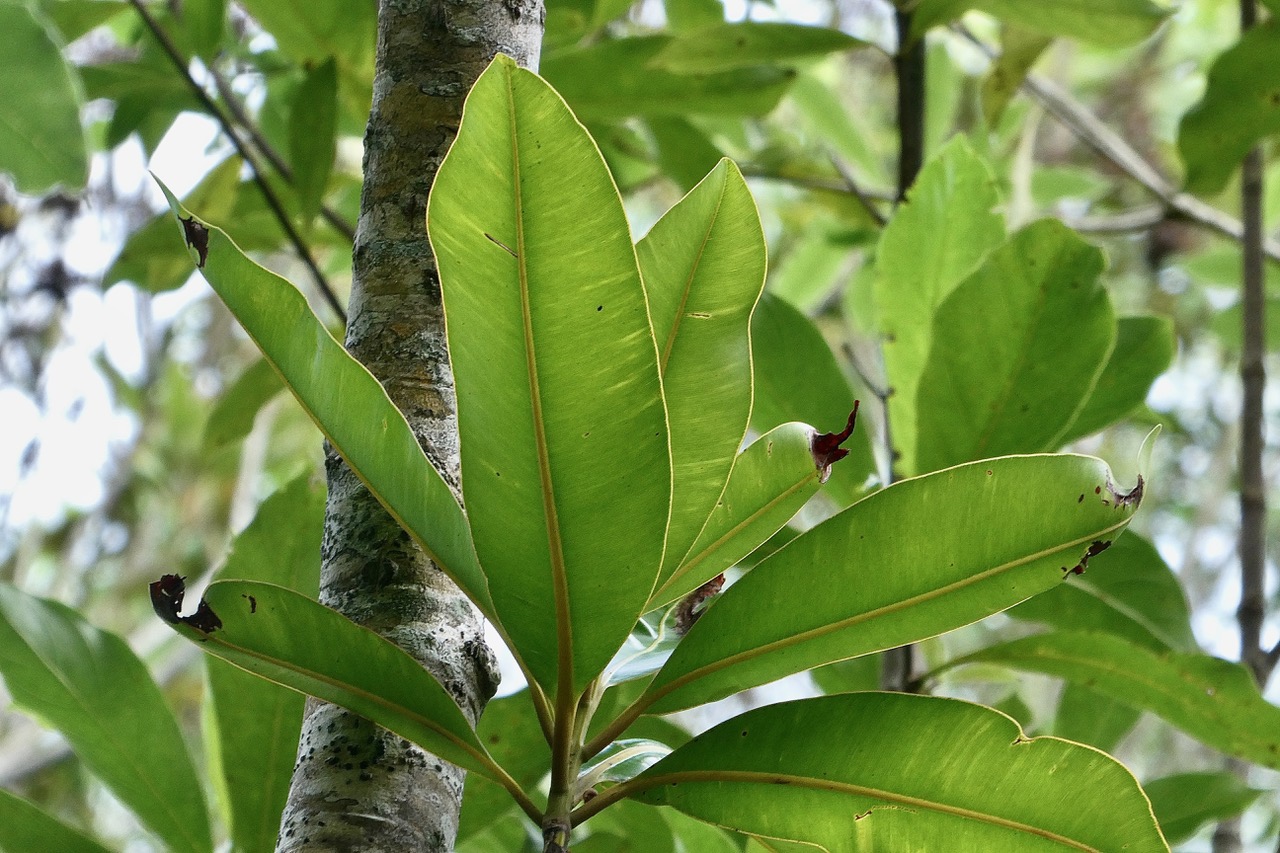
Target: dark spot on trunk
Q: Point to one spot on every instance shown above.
(197, 237)
(826, 447)
(166, 599)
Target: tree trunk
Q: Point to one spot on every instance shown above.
(356, 786)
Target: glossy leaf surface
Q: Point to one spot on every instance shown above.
(347, 403)
(897, 567)
(565, 460)
(91, 687)
(1144, 349)
(1128, 590)
(935, 239)
(271, 631)
(771, 480)
(1016, 350)
(703, 269)
(836, 771)
(41, 143)
(1210, 699)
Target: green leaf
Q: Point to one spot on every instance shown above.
(812, 268)
(565, 455)
(1021, 47)
(1128, 590)
(74, 18)
(771, 480)
(287, 638)
(935, 239)
(41, 142)
(743, 44)
(203, 24)
(24, 827)
(612, 79)
(1185, 802)
(1016, 390)
(797, 379)
(509, 730)
(647, 648)
(619, 761)
(836, 771)
(233, 414)
(1240, 107)
(347, 403)
(694, 836)
(151, 258)
(1208, 698)
(254, 724)
(897, 567)
(313, 125)
(1107, 22)
(703, 269)
(87, 684)
(1144, 349)
(685, 153)
(690, 15)
(1086, 716)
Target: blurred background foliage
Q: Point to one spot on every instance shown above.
(139, 431)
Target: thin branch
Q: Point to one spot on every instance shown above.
(1091, 130)
(863, 198)
(335, 219)
(812, 182)
(1127, 221)
(180, 64)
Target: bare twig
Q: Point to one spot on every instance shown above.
(852, 185)
(273, 201)
(246, 124)
(1091, 130)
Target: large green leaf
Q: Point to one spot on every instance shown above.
(41, 142)
(703, 268)
(1127, 591)
(837, 771)
(88, 685)
(1186, 801)
(254, 724)
(1241, 106)
(612, 79)
(1016, 350)
(1208, 698)
(728, 46)
(565, 457)
(1021, 47)
(935, 239)
(1144, 349)
(797, 379)
(1107, 22)
(897, 567)
(24, 827)
(1086, 716)
(275, 633)
(771, 480)
(344, 399)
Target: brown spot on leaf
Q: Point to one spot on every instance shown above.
(1095, 548)
(826, 447)
(166, 600)
(693, 605)
(197, 237)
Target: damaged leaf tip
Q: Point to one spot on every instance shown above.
(166, 599)
(826, 447)
(197, 237)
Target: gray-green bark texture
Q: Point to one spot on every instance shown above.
(356, 786)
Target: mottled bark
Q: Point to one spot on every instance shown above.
(355, 786)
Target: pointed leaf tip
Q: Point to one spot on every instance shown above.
(826, 447)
